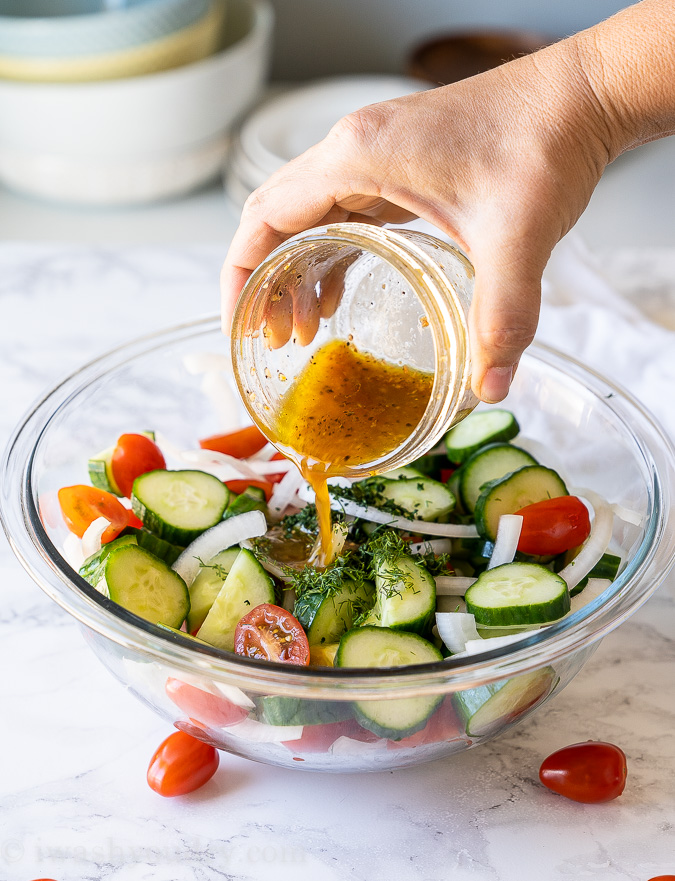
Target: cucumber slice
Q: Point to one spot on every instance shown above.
(424, 498)
(477, 430)
(93, 568)
(252, 499)
(157, 546)
(382, 647)
(326, 616)
(100, 472)
(247, 585)
(517, 593)
(489, 463)
(405, 595)
(207, 585)
(146, 586)
(408, 472)
(487, 709)
(179, 505)
(509, 494)
(277, 710)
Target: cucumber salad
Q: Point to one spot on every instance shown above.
(472, 547)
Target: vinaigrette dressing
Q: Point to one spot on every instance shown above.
(346, 408)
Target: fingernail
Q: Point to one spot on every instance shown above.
(496, 383)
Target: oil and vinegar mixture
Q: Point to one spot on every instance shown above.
(347, 408)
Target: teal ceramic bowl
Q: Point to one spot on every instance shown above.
(73, 28)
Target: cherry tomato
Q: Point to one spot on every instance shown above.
(663, 878)
(270, 633)
(135, 454)
(446, 474)
(588, 772)
(241, 444)
(181, 764)
(205, 709)
(553, 526)
(238, 486)
(134, 520)
(81, 505)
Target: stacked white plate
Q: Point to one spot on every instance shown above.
(288, 124)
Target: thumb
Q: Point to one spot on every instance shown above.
(504, 315)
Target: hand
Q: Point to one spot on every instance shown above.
(504, 163)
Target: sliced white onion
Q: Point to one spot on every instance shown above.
(452, 585)
(366, 512)
(72, 551)
(265, 454)
(506, 542)
(285, 492)
(474, 646)
(597, 542)
(455, 629)
(431, 546)
(265, 466)
(224, 535)
(233, 694)
(593, 589)
(349, 746)
(91, 540)
(207, 362)
(212, 462)
(261, 732)
(627, 515)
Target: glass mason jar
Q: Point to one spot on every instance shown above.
(398, 295)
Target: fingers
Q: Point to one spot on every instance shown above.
(504, 315)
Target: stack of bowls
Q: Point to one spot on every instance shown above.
(125, 105)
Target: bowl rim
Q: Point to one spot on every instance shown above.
(650, 564)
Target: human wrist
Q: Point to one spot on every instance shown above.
(629, 66)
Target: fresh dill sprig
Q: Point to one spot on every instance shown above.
(220, 570)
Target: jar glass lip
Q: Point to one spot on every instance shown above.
(448, 322)
(643, 573)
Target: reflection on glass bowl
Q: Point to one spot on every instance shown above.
(309, 717)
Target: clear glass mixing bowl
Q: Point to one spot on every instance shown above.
(603, 437)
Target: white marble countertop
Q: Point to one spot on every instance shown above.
(74, 803)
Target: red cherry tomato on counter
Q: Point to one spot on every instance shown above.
(135, 454)
(206, 709)
(553, 526)
(588, 772)
(181, 764)
(81, 505)
(663, 878)
(270, 633)
(238, 486)
(241, 444)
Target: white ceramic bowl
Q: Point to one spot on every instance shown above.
(139, 139)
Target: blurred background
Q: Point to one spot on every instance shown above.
(151, 120)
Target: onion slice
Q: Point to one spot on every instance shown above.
(597, 542)
(91, 540)
(375, 515)
(431, 546)
(285, 492)
(455, 629)
(506, 542)
(224, 535)
(261, 732)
